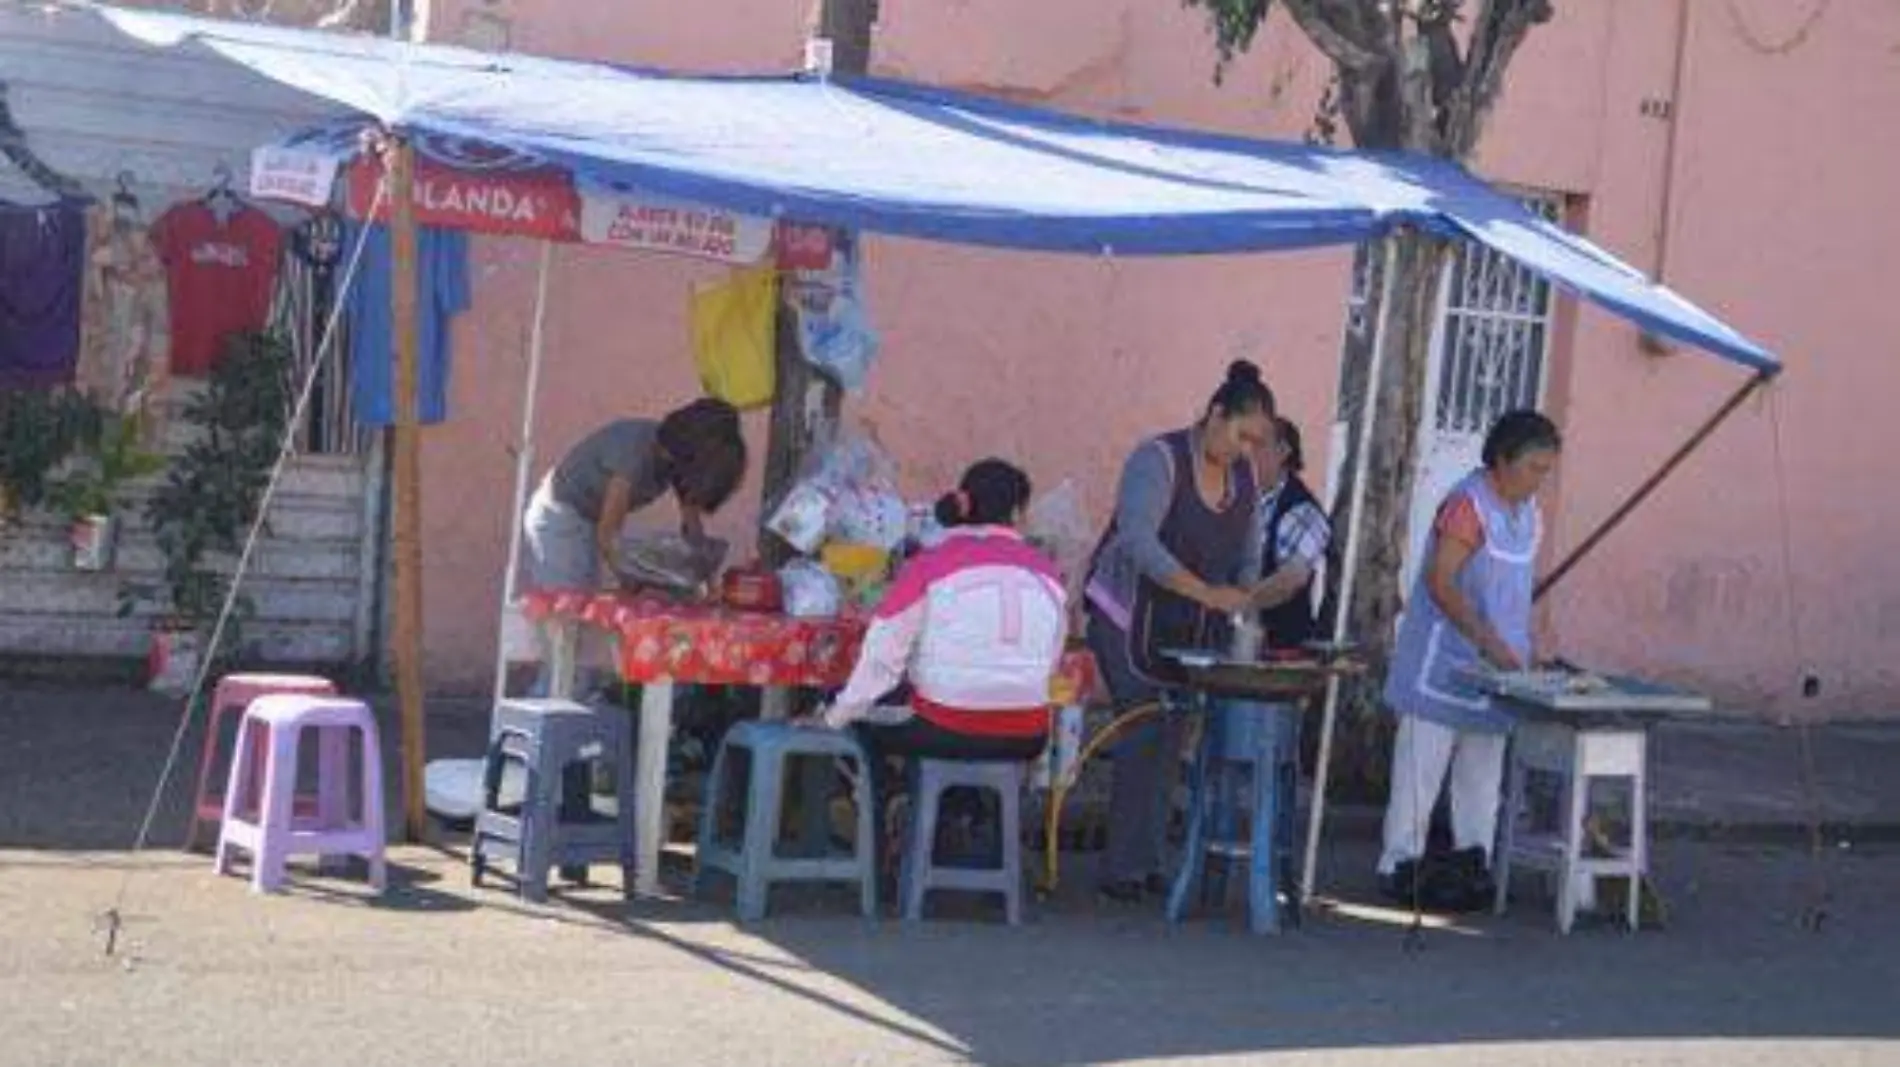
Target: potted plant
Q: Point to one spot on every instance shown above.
(211, 497)
(39, 431)
(90, 495)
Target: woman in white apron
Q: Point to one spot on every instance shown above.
(1471, 606)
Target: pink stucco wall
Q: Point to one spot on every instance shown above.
(1062, 363)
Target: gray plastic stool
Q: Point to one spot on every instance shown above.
(558, 742)
(931, 779)
(755, 864)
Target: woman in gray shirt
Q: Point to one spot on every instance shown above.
(1178, 560)
(572, 525)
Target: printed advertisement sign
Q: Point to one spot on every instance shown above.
(657, 224)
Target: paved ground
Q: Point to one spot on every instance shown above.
(208, 974)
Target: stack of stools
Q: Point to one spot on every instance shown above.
(755, 863)
(266, 755)
(558, 743)
(931, 779)
(232, 696)
(1248, 758)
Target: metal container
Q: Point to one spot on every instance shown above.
(1248, 637)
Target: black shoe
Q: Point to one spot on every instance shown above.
(1401, 886)
(1157, 885)
(1126, 891)
(1459, 883)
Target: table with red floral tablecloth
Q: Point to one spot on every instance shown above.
(659, 639)
(660, 642)
(707, 645)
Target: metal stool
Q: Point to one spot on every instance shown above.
(1259, 744)
(921, 874)
(755, 864)
(558, 742)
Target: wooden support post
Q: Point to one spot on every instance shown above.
(404, 325)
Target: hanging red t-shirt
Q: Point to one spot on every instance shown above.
(221, 276)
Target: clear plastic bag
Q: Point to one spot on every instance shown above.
(1059, 524)
(811, 592)
(834, 333)
(668, 561)
(849, 493)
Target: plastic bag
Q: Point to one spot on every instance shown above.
(669, 561)
(801, 519)
(810, 591)
(734, 325)
(850, 493)
(834, 333)
(1059, 525)
(866, 516)
(855, 460)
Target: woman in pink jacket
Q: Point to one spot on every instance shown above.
(957, 661)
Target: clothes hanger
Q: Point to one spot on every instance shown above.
(125, 203)
(222, 201)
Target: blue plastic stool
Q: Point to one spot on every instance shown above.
(931, 779)
(755, 863)
(558, 742)
(1257, 744)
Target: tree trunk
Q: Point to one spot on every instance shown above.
(1383, 535)
(806, 405)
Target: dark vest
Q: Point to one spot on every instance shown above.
(1211, 545)
(1292, 624)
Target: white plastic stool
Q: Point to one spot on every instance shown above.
(1578, 756)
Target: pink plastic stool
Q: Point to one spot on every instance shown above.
(275, 725)
(235, 693)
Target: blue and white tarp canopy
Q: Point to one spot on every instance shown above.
(907, 160)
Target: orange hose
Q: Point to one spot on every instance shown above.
(1059, 790)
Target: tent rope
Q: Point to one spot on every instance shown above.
(1815, 913)
(113, 920)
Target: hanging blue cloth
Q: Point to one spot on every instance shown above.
(442, 292)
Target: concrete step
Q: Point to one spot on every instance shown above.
(74, 593)
(91, 636)
(292, 518)
(334, 560)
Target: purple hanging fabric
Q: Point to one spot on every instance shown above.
(42, 254)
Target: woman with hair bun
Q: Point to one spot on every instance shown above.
(966, 639)
(1179, 559)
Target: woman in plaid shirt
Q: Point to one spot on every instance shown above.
(1296, 536)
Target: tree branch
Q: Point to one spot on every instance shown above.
(1500, 29)
(1335, 28)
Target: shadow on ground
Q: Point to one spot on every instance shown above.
(1084, 982)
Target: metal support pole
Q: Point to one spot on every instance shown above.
(524, 463)
(1349, 560)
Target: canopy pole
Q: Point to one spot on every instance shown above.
(408, 477)
(1652, 483)
(524, 463)
(1348, 562)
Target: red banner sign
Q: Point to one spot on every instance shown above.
(470, 186)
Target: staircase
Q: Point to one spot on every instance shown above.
(311, 578)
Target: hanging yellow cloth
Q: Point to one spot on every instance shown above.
(735, 328)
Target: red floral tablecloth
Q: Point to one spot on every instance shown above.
(707, 645)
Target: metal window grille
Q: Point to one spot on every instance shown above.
(1492, 337)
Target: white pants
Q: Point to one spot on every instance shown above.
(1421, 754)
